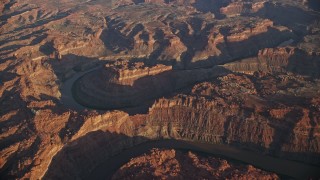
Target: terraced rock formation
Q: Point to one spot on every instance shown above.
(273, 60)
(238, 73)
(119, 87)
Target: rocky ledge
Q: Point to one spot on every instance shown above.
(126, 72)
(267, 101)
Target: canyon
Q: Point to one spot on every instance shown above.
(82, 82)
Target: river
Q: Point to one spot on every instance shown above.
(66, 91)
(282, 167)
(107, 169)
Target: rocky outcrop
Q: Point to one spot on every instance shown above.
(43, 44)
(274, 60)
(228, 44)
(200, 117)
(236, 8)
(166, 164)
(243, 111)
(126, 73)
(239, 8)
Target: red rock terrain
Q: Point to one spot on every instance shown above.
(172, 164)
(239, 73)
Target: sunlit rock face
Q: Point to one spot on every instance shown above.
(81, 81)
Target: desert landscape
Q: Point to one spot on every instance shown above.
(160, 89)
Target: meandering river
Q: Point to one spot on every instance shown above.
(108, 168)
(282, 167)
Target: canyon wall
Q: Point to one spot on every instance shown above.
(272, 60)
(125, 73)
(272, 108)
(243, 111)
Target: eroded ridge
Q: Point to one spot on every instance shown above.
(242, 73)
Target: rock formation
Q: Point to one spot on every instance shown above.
(274, 115)
(238, 73)
(119, 87)
(241, 7)
(126, 73)
(166, 164)
(272, 60)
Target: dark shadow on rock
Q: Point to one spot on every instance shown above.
(161, 44)
(212, 6)
(138, 1)
(74, 63)
(294, 18)
(304, 64)
(99, 154)
(8, 5)
(42, 22)
(38, 34)
(73, 125)
(39, 37)
(106, 95)
(11, 101)
(6, 76)
(67, 69)
(4, 18)
(194, 42)
(282, 135)
(232, 51)
(113, 38)
(314, 5)
(47, 48)
(11, 48)
(79, 158)
(24, 154)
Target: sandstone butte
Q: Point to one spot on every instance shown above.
(84, 81)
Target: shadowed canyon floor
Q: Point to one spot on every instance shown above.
(82, 82)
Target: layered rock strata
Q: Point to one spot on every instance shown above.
(126, 73)
(274, 115)
(241, 7)
(43, 44)
(273, 60)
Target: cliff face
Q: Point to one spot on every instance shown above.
(126, 73)
(229, 43)
(238, 8)
(274, 60)
(274, 114)
(199, 117)
(264, 113)
(249, 80)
